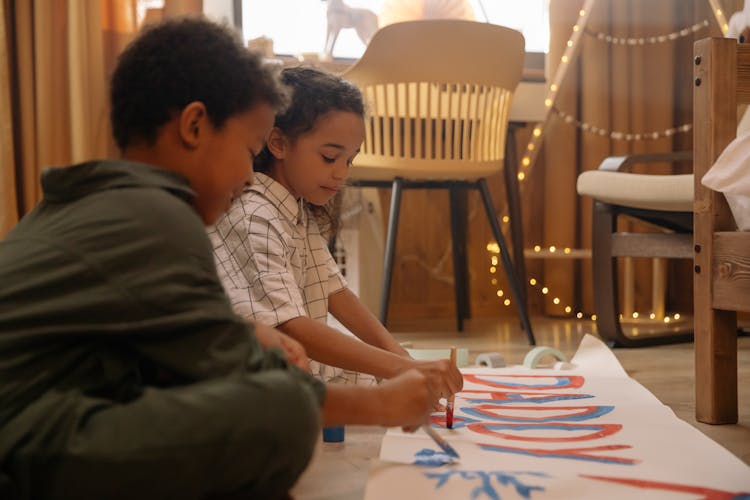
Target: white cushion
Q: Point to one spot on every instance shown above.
(672, 193)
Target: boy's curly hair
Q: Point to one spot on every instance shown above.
(174, 63)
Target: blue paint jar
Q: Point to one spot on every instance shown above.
(333, 434)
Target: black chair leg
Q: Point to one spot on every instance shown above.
(505, 259)
(458, 239)
(390, 247)
(512, 192)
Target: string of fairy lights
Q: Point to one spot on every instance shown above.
(530, 155)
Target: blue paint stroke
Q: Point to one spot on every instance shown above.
(534, 427)
(485, 487)
(517, 398)
(560, 382)
(431, 458)
(578, 417)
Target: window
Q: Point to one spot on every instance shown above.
(298, 27)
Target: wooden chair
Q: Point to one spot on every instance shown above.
(722, 255)
(439, 93)
(665, 202)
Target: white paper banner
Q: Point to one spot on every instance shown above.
(587, 432)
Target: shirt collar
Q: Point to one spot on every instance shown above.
(277, 194)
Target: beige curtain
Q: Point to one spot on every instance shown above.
(55, 66)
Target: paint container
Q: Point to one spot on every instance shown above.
(333, 434)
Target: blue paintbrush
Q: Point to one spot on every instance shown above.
(442, 443)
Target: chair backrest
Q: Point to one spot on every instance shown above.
(438, 92)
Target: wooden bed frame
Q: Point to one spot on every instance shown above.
(721, 79)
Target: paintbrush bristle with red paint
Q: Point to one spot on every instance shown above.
(449, 405)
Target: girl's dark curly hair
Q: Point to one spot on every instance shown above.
(174, 63)
(314, 93)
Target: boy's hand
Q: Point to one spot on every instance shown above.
(270, 337)
(407, 400)
(443, 374)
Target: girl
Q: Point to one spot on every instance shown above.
(271, 247)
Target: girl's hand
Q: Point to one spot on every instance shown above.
(270, 337)
(444, 375)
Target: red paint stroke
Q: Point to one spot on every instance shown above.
(569, 453)
(564, 381)
(604, 431)
(581, 412)
(707, 493)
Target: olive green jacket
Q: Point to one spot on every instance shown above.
(107, 287)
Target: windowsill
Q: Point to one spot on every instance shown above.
(533, 70)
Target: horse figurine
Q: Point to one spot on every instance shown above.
(340, 16)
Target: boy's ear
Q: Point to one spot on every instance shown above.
(277, 143)
(193, 118)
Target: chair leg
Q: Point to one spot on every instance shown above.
(458, 238)
(505, 258)
(514, 208)
(604, 273)
(390, 247)
(606, 291)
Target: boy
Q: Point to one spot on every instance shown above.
(123, 371)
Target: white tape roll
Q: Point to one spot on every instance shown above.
(535, 355)
(491, 359)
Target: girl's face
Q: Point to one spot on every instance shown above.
(316, 164)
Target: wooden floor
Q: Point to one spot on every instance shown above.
(340, 471)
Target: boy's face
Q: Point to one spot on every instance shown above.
(226, 160)
(316, 165)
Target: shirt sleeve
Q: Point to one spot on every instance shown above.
(336, 280)
(253, 260)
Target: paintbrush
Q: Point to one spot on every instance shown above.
(449, 404)
(442, 443)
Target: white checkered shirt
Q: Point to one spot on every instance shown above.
(273, 261)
